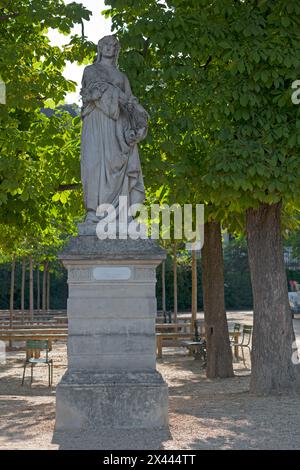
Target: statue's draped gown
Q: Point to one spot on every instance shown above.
(110, 166)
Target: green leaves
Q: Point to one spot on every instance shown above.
(38, 154)
(225, 131)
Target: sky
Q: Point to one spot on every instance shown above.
(94, 29)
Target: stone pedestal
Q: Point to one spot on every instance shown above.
(111, 379)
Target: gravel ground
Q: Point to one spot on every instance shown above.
(204, 414)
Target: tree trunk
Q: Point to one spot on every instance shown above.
(194, 289)
(175, 281)
(44, 293)
(38, 289)
(48, 289)
(12, 291)
(163, 288)
(11, 297)
(219, 354)
(272, 368)
(31, 305)
(23, 287)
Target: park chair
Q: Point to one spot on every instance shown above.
(236, 329)
(38, 345)
(198, 345)
(196, 330)
(245, 341)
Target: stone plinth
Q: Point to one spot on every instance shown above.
(111, 379)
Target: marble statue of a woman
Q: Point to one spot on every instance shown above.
(113, 124)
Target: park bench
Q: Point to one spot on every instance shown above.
(24, 335)
(33, 327)
(172, 327)
(62, 319)
(170, 339)
(33, 323)
(194, 342)
(33, 331)
(36, 318)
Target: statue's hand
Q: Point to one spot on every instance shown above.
(130, 137)
(134, 136)
(141, 134)
(94, 91)
(132, 101)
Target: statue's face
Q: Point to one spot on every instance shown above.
(109, 48)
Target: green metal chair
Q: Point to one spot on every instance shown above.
(199, 344)
(236, 329)
(38, 345)
(196, 330)
(245, 342)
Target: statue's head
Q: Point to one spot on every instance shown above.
(108, 46)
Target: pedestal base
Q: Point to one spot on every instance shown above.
(90, 401)
(111, 380)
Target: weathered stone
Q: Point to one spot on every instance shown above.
(113, 125)
(90, 247)
(112, 308)
(125, 400)
(112, 379)
(139, 362)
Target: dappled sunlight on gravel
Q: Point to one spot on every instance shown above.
(204, 414)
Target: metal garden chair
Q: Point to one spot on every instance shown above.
(198, 345)
(236, 329)
(38, 345)
(245, 341)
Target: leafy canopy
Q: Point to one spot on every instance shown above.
(39, 155)
(217, 78)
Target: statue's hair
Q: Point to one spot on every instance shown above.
(101, 44)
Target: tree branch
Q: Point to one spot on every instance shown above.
(68, 187)
(146, 46)
(206, 64)
(82, 29)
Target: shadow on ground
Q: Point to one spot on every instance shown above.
(222, 414)
(204, 413)
(118, 439)
(11, 377)
(29, 415)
